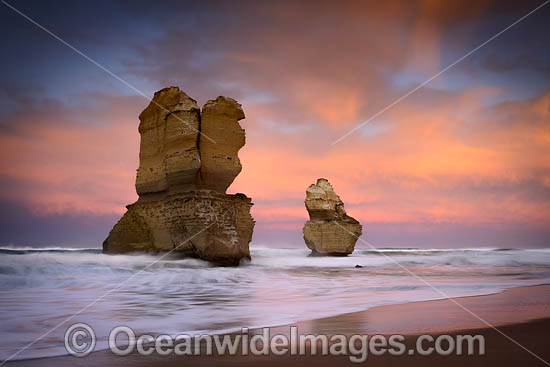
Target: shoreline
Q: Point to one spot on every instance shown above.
(389, 319)
(523, 311)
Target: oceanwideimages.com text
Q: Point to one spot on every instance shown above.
(80, 340)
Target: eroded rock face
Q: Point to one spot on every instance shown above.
(329, 231)
(169, 158)
(221, 140)
(182, 179)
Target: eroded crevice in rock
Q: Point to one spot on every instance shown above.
(198, 145)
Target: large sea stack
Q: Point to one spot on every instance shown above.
(187, 160)
(329, 231)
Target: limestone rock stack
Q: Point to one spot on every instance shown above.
(187, 159)
(329, 231)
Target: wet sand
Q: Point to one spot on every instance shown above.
(521, 317)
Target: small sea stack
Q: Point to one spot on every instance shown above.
(329, 230)
(187, 160)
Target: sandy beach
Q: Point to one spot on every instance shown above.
(520, 317)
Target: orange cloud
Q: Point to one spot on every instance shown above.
(67, 159)
(429, 166)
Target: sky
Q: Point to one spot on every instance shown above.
(464, 161)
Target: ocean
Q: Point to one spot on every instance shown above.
(41, 288)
